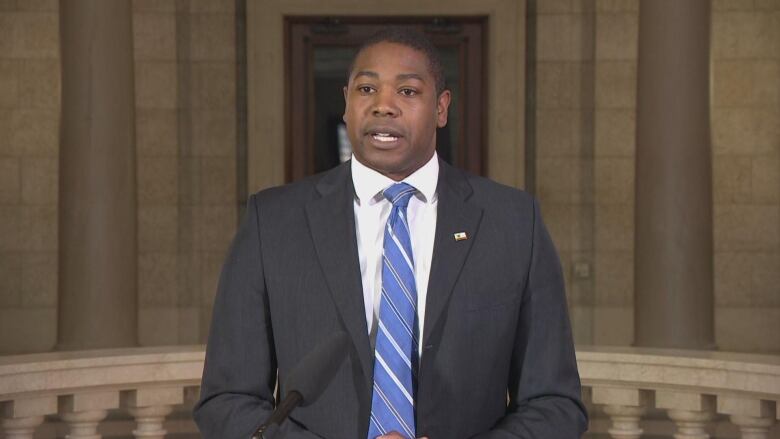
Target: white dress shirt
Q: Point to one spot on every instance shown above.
(372, 210)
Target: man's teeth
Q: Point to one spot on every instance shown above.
(384, 137)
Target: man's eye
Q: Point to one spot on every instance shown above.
(408, 91)
(365, 89)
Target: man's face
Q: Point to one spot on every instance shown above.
(392, 109)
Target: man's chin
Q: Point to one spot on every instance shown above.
(395, 169)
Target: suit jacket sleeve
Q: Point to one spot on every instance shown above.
(239, 373)
(544, 385)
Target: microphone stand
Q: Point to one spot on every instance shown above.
(270, 428)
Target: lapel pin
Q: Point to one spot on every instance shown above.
(460, 236)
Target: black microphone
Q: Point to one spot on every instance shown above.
(307, 381)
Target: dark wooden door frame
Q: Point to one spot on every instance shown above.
(303, 33)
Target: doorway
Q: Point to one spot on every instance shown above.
(318, 51)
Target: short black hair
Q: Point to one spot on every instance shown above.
(413, 39)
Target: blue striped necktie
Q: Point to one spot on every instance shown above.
(395, 363)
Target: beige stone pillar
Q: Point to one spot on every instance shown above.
(625, 408)
(97, 211)
(754, 417)
(19, 418)
(674, 244)
(83, 412)
(691, 412)
(21, 428)
(150, 407)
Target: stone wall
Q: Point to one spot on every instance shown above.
(185, 76)
(186, 129)
(746, 172)
(29, 145)
(586, 129)
(586, 124)
(564, 146)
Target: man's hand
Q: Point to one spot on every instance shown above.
(395, 435)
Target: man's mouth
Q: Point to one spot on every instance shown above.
(384, 137)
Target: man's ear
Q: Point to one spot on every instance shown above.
(442, 108)
(344, 116)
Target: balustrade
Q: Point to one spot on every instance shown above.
(82, 388)
(693, 389)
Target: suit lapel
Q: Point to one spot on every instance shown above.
(455, 215)
(332, 224)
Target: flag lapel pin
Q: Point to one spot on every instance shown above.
(460, 236)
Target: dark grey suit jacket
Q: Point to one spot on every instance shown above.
(496, 321)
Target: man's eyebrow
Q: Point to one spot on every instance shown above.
(399, 77)
(404, 76)
(367, 73)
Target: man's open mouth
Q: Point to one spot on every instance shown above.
(384, 137)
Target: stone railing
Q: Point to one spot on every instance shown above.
(692, 388)
(83, 387)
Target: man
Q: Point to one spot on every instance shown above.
(447, 284)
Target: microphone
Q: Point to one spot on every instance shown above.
(307, 381)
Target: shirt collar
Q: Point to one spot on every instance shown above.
(369, 183)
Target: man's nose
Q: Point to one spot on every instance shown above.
(385, 105)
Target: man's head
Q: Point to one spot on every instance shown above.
(395, 100)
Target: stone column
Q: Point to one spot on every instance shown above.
(97, 211)
(625, 408)
(674, 244)
(691, 412)
(150, 407)
(20, 417)
(83, 412)
(754, 417)
(21, 428)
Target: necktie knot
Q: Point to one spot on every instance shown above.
(399, 194)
